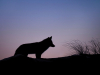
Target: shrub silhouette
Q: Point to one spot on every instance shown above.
(83, 48)
(36, 48)
(95, 46)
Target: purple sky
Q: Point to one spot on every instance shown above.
(26, 21)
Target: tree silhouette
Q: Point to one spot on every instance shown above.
(83, 48)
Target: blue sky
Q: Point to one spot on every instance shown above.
(26, 21)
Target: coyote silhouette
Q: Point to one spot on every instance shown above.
(36, 48)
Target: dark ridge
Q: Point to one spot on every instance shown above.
(23, 64)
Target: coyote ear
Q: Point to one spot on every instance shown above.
(51, 37)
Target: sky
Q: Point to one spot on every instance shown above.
(27, 21)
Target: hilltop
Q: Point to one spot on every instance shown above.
(28, 64)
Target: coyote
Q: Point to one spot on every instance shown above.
(36, 48)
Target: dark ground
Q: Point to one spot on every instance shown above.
(20, 64)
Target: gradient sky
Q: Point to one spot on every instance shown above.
(26, 21)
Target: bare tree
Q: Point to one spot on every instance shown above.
(83, 48)
(95, 46)
(79, 47)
